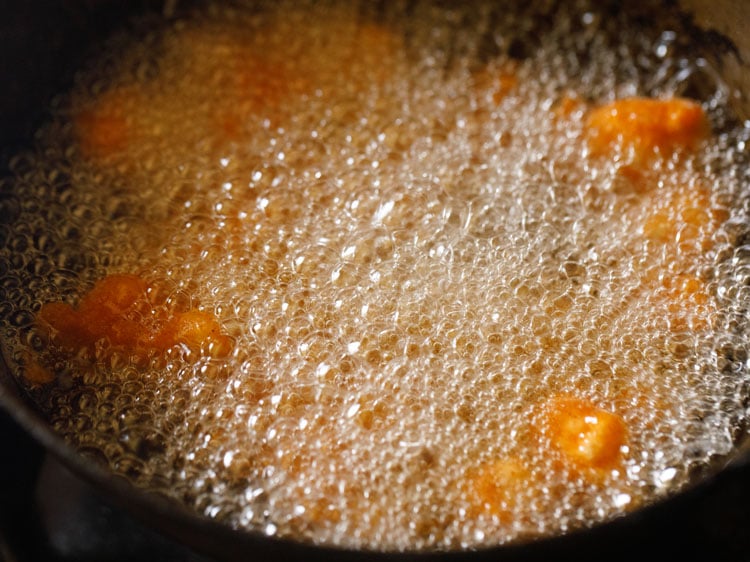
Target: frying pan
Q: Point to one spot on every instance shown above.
(45, 41)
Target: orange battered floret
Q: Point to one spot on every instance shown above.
(198, 330)
(36, 374)
(265, 84)
(118, 310)
(104, 130)
(587, 437)
(688, 302)
(377, 47)
(368, 54)
(498, 486)
(685, 219)
(688, 287)
(109, 311)
(645, 128)
(500, 82)
(567, 106)
(257, 88)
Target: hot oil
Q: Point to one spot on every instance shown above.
(414, 255)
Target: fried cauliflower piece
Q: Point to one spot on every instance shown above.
(688, 302)
(643, 128)
(109, 311)
(376, 48)
(105, 128)
(497, 487)
(196, 329)
(35, 373)
(685, 218)
(498, 83)
(119, 312)
(587, 437)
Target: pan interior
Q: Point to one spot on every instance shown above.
(418, 264)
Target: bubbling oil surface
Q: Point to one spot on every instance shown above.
(410, 265)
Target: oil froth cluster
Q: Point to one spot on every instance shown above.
(393, 280)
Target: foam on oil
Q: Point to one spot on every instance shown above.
(410, 265)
